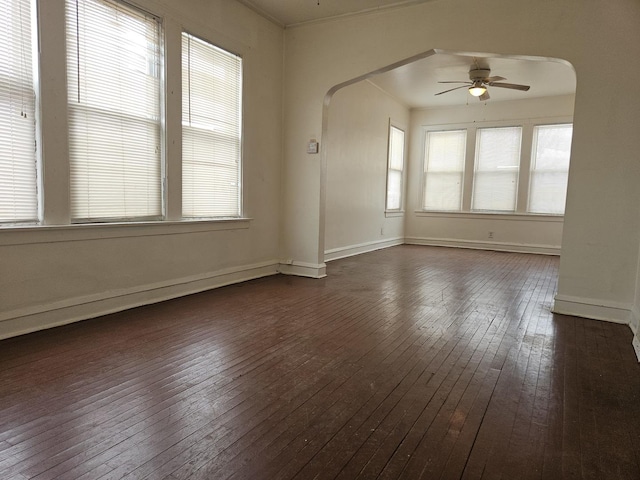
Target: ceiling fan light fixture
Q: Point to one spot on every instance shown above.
(477, 89)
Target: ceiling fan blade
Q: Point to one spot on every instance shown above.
(484, 96)
(513, 86)
(456, 81)
(493, 79)
(452, 89)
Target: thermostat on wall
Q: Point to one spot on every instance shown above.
(313, 146)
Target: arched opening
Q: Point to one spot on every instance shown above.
(359, 115)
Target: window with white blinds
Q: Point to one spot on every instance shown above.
(395, 168)
(211, 130)
(550, 168)
(444, 170)
(495, 182)
(18, 190)
(114, 89)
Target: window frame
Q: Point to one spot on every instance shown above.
(400, 208)
(524, 177)
(27, 84)
(533, 170)
(226, 138)
(95, 109)
(476, 170)
(425, 166)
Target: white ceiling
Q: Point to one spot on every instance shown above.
(293, 12)
(416, 84)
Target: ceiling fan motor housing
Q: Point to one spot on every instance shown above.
(479, 74)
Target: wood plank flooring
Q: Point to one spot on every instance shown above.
(405, 363)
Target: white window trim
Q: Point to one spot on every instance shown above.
(396, 212)
(36, 234)
(530, 169)
(470, 133)
(240, 170)
(521, 212)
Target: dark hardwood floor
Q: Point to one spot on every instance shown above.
(406, 363)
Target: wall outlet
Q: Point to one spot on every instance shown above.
(382, 231)
(490, 234)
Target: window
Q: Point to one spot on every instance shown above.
(496, 171)
(444, 170)
(18, 192)
(114, 91)
(211, 130)
(550, 168)
(395, 168)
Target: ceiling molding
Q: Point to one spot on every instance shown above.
(262, 7)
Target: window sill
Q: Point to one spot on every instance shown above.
(34, 234)
(527, 217)
(394, 213)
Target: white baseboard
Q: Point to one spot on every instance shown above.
(351, 250)
(303, 269)
(54, 314)
(636, 345)
(478, 245)
(594, 309)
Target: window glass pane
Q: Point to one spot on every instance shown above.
(394, 189)
(18, 193)
(114, 64)
(211, 130)
(444, 170)
(395, 168)
(550, 168)
(497, 166)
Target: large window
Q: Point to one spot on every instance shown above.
(497, 165)
(550, 168)
(18, 195)
(211, 130)
(114, 91)
(395, 169)
(444, 170)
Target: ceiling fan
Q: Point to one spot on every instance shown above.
(479, 80)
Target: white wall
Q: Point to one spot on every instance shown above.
(357, 142)
(60, 273)
(519, 232)
(601, 232)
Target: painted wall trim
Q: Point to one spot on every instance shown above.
(54, 314)
(303, 269)
(351, 250)
(634, 319)
(518, 217)
(36, 234)
(477, 245)
(616, 312)
(636, 345)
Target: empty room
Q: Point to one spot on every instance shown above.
(319, 239)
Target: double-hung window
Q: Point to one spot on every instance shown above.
(18, 191)
(211, 130)
(444, 170)
(550, 168)
(497, 165)
(114, 90)
(395, 169)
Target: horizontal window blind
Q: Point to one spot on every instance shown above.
(18, 184)
(395, 168)
(550, 168)
(497, 165)
(114, 72)
(211, 130)
(444, 170)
